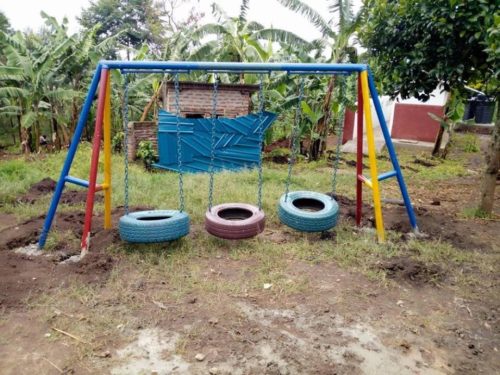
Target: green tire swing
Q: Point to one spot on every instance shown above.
(307, 211)
(234, 221)
(154, 225)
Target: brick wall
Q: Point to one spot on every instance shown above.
(194, 99)
(141, 131)
(198, 101)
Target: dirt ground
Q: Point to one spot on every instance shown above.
(110, 314)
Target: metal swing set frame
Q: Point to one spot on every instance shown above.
(101, 84)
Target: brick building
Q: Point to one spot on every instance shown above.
(195, 101)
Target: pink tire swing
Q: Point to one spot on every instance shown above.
(234, 221)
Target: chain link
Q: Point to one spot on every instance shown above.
(179, 143)
(295, 137)
(261, 136)
(125, 139)
(339, 132)
(215, 94)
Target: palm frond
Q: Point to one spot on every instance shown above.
(205, 51)
(311, 14)
(343, 11)
(254, 26)
(282, 36)
(208, 29)
(28, 119)
(243, 11)
(62, 94)
(218, 12)
(13, 92)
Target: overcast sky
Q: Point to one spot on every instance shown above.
(25, 14)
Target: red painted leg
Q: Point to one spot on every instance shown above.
(94, 162)
(359, 157)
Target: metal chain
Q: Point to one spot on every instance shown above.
(179, 143)
(295, 137)
(261, 136)
(125, 139)
(340, 131)
(212, 143)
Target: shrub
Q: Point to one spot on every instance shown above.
(147, 154)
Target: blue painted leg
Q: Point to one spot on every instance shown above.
(70, 156)
(392, 152)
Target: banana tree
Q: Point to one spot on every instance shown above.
(338, 37)
(237, 39)
(31, 76)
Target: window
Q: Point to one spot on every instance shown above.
(195, 115)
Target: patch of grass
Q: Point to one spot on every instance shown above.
(56, 238)
(474, 212)
(467, 142)
(443, 171)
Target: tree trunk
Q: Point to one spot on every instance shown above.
(57, 140)
(26, 140)
(164, 98)
(323, 122)
(36, 135)
(19, 129)
(13, 131)
(74, 116)
(148, 106)
(491, 171)
(438, 141)
(318, 146)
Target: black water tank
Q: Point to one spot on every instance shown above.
(483, 112)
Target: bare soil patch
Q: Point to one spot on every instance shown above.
(404, 268)
(24, 277)
(205, 314)
(435, 221)
(47, 186)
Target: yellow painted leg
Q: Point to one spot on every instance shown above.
(379, 223)
(107, 155)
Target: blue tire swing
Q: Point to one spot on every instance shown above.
(154, 225)
(307, 211)
(234, 221)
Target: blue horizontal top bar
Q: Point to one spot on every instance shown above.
(301, 68)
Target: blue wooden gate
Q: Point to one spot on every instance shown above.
(236, 141)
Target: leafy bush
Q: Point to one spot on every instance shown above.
(147, 154)
(117, 142)
(470, 143)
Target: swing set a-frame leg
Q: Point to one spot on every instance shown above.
(366, 86)
(102, 116)
(64, 176)
(103, 121)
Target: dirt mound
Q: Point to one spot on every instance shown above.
(25, 277)
(22, 234)
(44, 186)
(408, 269)
(47, 186)
(27, 232)
(280, 143)
(435, 223)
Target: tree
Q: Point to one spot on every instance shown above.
(418, 45)
(135, 22)
(338, 36)
(31, 80)
(239, 40)
(4, 23)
